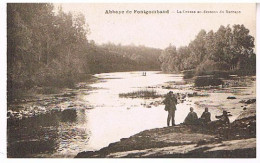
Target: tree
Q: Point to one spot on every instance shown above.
(184, 54)
(226, 49)
(197, 48)
(241, 46)
(168, 58)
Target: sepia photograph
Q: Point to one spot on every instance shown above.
(131, 80)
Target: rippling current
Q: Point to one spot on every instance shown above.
(94, 118)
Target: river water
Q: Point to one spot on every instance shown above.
(98, 117)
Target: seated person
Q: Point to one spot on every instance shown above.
(223, 119)
(191, 118)
(205, 117)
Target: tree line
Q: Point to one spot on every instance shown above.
(47, 48)
(228, 49)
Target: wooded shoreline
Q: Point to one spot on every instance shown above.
(49, 48)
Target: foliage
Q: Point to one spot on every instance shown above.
(47, 48)
(188, 74)
(145, 58)
(111, 58)
(228, 48)
(40, 44)
(146, 93)
(207, 81)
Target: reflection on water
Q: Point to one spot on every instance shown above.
(48, 134)
(68, 115)
(31, 136)
(76, 129)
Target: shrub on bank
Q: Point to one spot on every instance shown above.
(202, 81)
(215, 74)
(188, 74)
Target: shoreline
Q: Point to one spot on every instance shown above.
(237, 140)
(196, 96)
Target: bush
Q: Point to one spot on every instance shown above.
(216, 74)
(202, 81)
(188, 74)
(209, 67)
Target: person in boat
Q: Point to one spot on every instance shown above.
(205, 117)
(170, 102)
(191, 118)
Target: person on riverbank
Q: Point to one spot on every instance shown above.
(192, 118)
(223, 119)
(205, 117)
(170, 105)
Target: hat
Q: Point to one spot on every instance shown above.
(225, 112)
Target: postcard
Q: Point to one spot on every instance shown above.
(131, 80)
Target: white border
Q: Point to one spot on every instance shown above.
(131, 1)
(3, 77)
(3, 65)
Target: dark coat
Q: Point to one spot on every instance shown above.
(223, 119)
(205, 117)
(170, 102)
(191, 118)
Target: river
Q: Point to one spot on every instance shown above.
(98, 116)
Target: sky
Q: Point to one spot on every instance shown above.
(159, 30)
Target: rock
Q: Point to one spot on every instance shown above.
(56, 109)
(250, 101)
(10, 114)
(245, 148)
(201, 142)
(236, 140)
(249, 112)
(195, 94)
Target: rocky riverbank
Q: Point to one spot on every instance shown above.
(38, 101)
(236, 140)
(64, 123)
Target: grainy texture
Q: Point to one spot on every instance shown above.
(237, 140)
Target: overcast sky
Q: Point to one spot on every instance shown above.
(159, 30)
